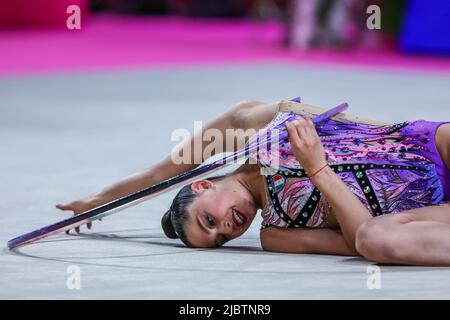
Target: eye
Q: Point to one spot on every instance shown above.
(210, 220)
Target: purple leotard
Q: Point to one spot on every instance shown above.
(390, 168)
(428, 129)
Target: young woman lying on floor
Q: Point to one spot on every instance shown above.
(346, 186)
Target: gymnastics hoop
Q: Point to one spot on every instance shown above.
(150, 192)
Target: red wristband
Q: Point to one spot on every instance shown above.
(312, 175)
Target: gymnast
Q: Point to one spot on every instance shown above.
(345, 186)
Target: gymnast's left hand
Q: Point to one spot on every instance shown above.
(306, 144)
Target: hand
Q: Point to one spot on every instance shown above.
(80, 206)
(306, 144)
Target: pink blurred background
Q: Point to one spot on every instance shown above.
(118, 34)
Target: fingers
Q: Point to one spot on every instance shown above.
(63, 206)
(66, 207)
(306, 143)
(306, 129)
(293, 133)
(77, 229)
(309, 122)
(312, 128)
(88, 225)
(301, 129)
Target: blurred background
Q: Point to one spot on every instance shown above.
(126, 33)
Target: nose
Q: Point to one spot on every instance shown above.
(228, 226)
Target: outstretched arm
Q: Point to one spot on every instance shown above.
(308, 149)
(244, 115)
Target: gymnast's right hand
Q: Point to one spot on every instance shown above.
(80, 206)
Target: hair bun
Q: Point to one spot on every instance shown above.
(167, 226)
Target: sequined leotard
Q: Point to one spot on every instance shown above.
(390, 168)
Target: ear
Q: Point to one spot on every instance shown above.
(201, 185)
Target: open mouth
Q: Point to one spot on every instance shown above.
(239, 219)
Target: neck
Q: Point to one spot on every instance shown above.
(249, 178)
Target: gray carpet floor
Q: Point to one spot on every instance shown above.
(66, 136)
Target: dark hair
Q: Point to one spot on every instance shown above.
(172, 221)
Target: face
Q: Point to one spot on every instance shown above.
(218, 214)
